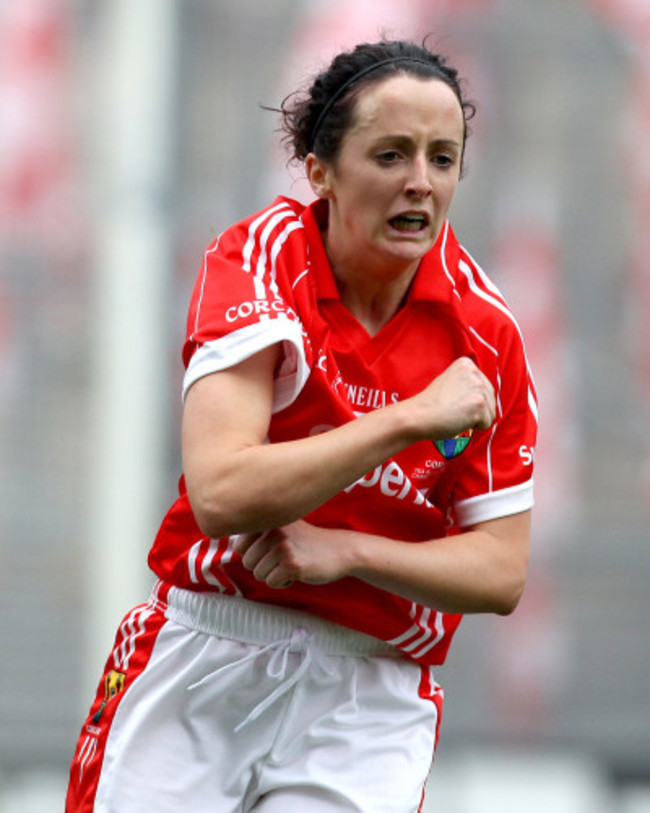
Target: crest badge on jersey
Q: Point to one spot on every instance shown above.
(452, 447)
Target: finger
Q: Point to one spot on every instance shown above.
(242, 542)
(491, 400)
(279, 580)
(281, 577)
(267, 562)
(489, 414)
(273, 569)
(256, 550)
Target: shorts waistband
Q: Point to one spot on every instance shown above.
(253, 622)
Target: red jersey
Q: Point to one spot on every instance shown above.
(267, 280)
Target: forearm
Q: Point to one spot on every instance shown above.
(266, 486)
(473, 572)
(237, 483)
(480, 571)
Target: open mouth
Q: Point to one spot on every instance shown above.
(410, 221)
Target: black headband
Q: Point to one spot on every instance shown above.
(344, 87)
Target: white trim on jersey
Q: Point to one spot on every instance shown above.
(192, 556)
(229, 350)
(495, 504)
(443, 260)
(479, 338)
(493, 296)
(207, 576)
(204, 276)
(425, 640)
(499, 303)
(299, 277)
(438, 623)
(261, 275)
(248, 249)
(283, 211)
(532, 405)
(277, 247)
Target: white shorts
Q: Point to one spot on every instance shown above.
(214, 703)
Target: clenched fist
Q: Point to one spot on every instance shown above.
(460, 398)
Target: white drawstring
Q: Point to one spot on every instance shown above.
(276, 668)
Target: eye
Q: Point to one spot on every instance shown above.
(443, 160)
(387, 157)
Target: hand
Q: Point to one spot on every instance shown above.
(460, 398)
(296, 552)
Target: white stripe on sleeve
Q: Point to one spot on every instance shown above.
(495, 504)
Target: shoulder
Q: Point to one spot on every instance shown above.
(265, 250)
(484, 307)
(260, 230)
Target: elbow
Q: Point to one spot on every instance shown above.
(216, 514)
(507, 604)
(509, 596)
(223, 512)
(511, 581)
(211, 518)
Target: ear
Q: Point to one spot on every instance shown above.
(319, 175)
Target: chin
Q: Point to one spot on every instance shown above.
(412, 253)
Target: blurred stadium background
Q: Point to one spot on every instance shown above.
(130, 135)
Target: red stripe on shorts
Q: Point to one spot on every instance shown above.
(429, 690)
(133, 646)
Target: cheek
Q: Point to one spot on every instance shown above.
(371, 194)
(365, 208)
(446, 194)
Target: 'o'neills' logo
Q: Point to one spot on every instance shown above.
(452, 447)
(369, 396)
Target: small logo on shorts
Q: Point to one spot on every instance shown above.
(452, 447)
(114, 683)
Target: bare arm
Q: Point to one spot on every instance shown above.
(237, 483)
(480, 570)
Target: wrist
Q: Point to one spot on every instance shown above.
(407, 423)
(366, 554)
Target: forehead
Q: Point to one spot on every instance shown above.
(408, 101)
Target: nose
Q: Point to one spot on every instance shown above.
(418, 182)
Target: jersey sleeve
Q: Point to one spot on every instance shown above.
(235, 312)
(496, 477)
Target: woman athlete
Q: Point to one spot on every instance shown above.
(358, 427)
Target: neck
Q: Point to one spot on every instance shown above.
(371, 288)
(373, 302)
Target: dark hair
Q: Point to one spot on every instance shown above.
(317, 121)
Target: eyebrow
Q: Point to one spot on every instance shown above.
(398, 138)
